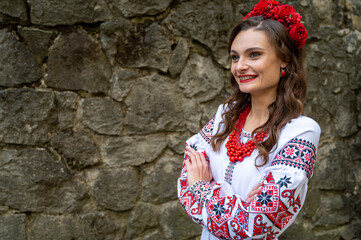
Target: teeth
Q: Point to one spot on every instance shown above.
(245, 78)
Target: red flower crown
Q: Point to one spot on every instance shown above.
(284, 14)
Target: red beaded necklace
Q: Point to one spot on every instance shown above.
(236, 150)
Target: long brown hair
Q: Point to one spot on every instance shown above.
(291, 90)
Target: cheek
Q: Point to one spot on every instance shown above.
(233, 70)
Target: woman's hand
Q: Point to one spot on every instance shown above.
(255, 192)
(197, 167)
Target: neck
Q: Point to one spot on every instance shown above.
(259, 113)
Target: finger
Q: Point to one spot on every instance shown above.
(250, 199)
(196, 158)
(255, 192)
(258, 185)
(188, 163)
(190, 149)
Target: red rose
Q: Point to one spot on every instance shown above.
(261, 7)
(273, 2)
(248, 16)
(299, 34)
(285, 12)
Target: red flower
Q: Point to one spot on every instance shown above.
(260, 7)
(248, 15)
(273, 2)
(299, 34)
(285, 12)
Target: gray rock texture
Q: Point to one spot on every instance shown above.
(13, 227)
(17, 64)
(67, 12)
(114, 196)
(27, 116)
(154, 104)
(77, 149)
(132, 150)
(101, 115)
(33, 180)
(97, 99)
(77, 62)
(11, 10)
(139, 7)
(128, 44)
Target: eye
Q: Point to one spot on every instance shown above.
(234, 57)
(254, 54)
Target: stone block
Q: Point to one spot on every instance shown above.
(345, 118)
(296, 231)
(312, 203)
(358, 107)
(67, 12)
(154, 105)
(12, 227)
(77, 62)
(92, 226)
(205, 21)
(175, 224)
(335, 211)
(37, 41)
(67, 103)
(155, 235)
(179, 57)
(132, 151)
(122, 82)
(143, 217)
(209, 109)
(192, 114)
(32, 180)
(177, 141)
(18, 64)
(128, 44)
(12, 9)
(355, 146)
(329, 160)
(102, 115)
(201, 79)
(77, 149)
(27, 116)
(117, 190)
(160, 179)
(139, 7)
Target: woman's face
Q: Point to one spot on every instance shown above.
(255, 64)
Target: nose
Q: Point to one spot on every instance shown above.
(241, 66)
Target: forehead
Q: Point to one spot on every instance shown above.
(251, 38)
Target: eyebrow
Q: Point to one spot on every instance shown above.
(249, 50)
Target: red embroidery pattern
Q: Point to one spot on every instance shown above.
(267, 200)
(281, 217)
(219, 216)
(229, 172)
(200, 191)
(231, 218)
(295, 203)
(206, 131)
(299, 154)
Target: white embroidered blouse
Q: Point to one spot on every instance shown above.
(220, 206)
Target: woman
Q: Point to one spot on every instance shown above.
(245, 174)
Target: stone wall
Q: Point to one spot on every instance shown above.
(98, 97)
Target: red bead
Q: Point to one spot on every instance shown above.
(236, 150)
(283, 73)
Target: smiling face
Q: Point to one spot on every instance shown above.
(255, 64)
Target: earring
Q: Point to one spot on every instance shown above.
(283, 72)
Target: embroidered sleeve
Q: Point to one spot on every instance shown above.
(199, 142)
(227, 216)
